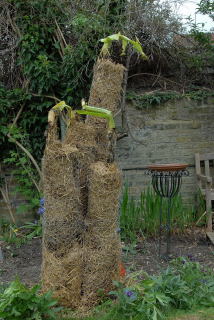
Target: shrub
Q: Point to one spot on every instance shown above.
(17, 302)
(183, 285)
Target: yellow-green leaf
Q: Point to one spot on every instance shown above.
(107, 43)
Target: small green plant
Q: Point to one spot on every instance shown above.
(9, 233)
(142, 217)
(32, 230)
(187, 284)
(17, 302)
(140, 299)
(19, 235)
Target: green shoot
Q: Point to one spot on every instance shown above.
(107, 43)
(86, 110)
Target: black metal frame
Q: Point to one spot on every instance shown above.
(167, 185)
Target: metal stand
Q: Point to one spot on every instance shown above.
(166, 182)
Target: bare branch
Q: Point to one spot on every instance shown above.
(27, 153)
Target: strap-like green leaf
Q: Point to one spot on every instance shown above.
(110, 118)
(87, 110)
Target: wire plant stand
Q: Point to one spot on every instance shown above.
(166, 182)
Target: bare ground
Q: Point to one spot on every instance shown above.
(25, 262)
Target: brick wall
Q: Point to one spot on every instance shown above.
(168, 133)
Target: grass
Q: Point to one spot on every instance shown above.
(198, 314)
(142, 217)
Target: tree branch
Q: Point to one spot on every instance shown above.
(27, 153)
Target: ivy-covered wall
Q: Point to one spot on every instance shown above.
(167, 133)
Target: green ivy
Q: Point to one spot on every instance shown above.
(141, 101)
(53, 65)
(58, 43)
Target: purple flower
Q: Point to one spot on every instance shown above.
(42, 202)
(41, 211)
(130, 294)
(204, 281)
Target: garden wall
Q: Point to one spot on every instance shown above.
(167, 133)
(172, 132)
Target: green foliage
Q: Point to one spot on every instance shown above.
(202, 53)
(199, 95)
(13, 234)
(140, 299)
(32, 121)
(32, 230)
(8, 233)
(182, 286)
(86, 110)
(146, 100)
(10, 101)
(186, 284)
(25, 174)
(107, 44)
(142, 217)
(206, 7)
(18, 302)
(57, 46)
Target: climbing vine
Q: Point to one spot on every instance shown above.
(148, 100)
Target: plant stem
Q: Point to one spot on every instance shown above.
(125, 80)
(27, 153)
(7, 201)
(42, 95)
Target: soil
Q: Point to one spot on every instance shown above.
(193, 246)
(25, 262)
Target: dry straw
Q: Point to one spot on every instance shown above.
(106, 87)
(101, 240)
(81, 246)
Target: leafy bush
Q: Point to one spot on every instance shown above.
(17, 302)
(183, 285)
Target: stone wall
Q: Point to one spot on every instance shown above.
(168, 133)
(173, 132)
